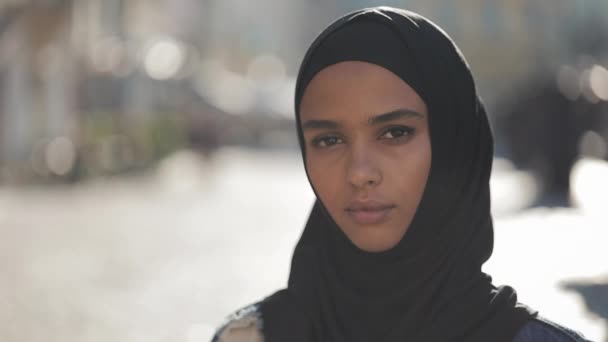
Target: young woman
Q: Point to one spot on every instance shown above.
(398, 150)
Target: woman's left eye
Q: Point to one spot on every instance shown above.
(397, 132)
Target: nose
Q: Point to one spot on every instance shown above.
(363, 171)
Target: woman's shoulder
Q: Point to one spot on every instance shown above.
(244, 325)
(541, 329)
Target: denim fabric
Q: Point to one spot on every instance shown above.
(544, 330)
(538, 330)
(245, 314)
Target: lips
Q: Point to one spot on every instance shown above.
(369, 212)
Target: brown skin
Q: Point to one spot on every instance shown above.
(369, 173)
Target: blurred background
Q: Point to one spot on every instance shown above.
(151, 184)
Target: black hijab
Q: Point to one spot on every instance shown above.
(430, 286)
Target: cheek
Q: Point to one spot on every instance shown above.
(412, 173)
(326, 178)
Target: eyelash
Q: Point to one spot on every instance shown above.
(406, 133)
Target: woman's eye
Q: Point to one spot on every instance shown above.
(326, 141)
(397, 132)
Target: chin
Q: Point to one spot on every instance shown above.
(375, 244)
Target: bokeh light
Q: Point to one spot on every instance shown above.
(164, 58)
(60, 155)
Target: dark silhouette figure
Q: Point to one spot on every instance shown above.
(595, 296)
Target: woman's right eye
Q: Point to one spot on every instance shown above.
(326, 141)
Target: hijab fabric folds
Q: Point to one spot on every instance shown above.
(429, 287)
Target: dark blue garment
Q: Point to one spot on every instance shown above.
(543, 330)
(539, 329)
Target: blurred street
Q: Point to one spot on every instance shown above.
(165, 256)
(151, 184)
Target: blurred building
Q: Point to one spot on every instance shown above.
(94, 87)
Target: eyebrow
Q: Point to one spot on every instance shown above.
(381, 118)
(393, 115)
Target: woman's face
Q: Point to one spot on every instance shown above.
(368, 150)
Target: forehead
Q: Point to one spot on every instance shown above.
(357, 87)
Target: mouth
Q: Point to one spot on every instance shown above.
(369, 214)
